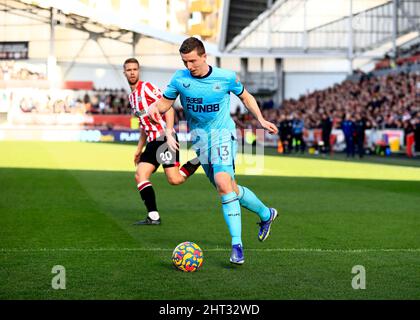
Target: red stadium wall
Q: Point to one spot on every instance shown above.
(114, 120)
(78, 85)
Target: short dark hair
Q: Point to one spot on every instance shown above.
(131, 60)
(192, 44)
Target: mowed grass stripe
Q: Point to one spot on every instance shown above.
(309, 250)
(93, 208)
(314, 213)
(118, 157)
(47, 207)
(151, 275)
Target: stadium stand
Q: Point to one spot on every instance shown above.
(405, 57)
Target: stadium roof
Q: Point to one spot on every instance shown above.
(307, 27)
(97, 23)
(285, 28)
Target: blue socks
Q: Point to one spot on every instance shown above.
(250, 201)
(231, 206)
(232, 214)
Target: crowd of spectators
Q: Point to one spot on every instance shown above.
(107, 101)
(390, 101)
(97, 101)
(12, 70)
(372, 102)
(407, 56)
(386, 102)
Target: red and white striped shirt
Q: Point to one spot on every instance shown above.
(140, 100)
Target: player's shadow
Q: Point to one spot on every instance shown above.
(230, 266)
(225, 265)
(166, 265)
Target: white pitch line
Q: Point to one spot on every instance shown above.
(316, 250)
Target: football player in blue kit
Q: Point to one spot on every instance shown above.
(205, 97)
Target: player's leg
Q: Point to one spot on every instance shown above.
(147, 165)
(230, 205)
(147, 193)
(250, 201)
(177, 176)
(190, 167)
(223, 167)
(173, 175)
(170, 163)
(221, 175)
(232, 214)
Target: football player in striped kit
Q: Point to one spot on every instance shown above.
(159, 139)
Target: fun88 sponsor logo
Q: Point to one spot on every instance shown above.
(196, 105)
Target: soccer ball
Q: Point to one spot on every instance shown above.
(187, 257)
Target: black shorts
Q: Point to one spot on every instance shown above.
(158, 153)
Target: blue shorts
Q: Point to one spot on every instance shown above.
(219, 158)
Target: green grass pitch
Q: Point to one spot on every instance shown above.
(73, 204)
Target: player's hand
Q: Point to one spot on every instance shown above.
(270, 127)
(137, 156)
(172, 143)
(154, 113)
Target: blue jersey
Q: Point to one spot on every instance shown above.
(206, 102)
(348, 128)
(298, 126)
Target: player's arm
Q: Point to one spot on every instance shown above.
(159, 107)
(165, 102)
(251, 104)
(170, 120)
(140, 146)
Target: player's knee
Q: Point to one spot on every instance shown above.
(174, 181)
(224, 187)
(140, 177)
(223, 183)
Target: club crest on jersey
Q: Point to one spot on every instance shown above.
(217, 87)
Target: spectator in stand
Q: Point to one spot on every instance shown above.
(326, 126)
(268, 104)
(297, 128)
(349, 128)
(289, 135)
(360, 127)
(26, 105)
(285, 133)
(417, 133)
(408, 126)
(88, 105)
